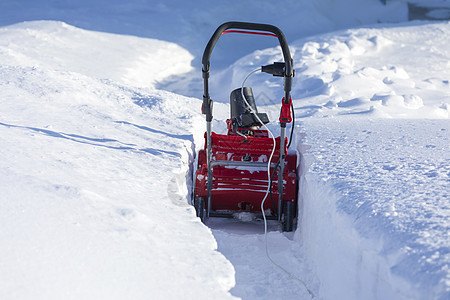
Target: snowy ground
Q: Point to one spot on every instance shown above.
(92, 181)
(97, 160)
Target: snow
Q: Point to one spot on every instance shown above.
(97, 151)
(84, 160)
(361, 71)
(388, 181)
(59, 48)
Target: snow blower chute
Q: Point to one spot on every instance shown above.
(234, 173)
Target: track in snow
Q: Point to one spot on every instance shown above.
(243, 244)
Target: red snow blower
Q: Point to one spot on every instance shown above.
(236, 172)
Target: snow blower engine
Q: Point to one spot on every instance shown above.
(247, 170)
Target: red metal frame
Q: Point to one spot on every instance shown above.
(249, 32)
(236, 188)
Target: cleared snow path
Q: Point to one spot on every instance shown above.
(243, 244)
(241, 241)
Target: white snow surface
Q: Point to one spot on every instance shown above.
(383, 187)
(96, 166)
(129, 60)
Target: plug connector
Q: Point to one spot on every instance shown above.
(276, 69)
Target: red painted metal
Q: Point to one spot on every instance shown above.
(286, 114)
(249, 32)
(238, 189)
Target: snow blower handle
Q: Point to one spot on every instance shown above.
(261, 29)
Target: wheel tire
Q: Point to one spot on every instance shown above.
(288, 220)
(199, 205)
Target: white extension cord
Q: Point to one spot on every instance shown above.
(268, 189)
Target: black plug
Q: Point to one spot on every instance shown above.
(276, 69)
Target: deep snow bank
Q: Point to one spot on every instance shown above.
(93, 176)
(382, 186)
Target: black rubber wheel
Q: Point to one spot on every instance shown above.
(199, 204)
(288, 219)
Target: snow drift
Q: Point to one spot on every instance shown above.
(128, 60)
(382, 182)
(83, 162)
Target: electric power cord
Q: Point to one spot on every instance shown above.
(269, 186)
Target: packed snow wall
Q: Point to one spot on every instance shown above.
(370, 222)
